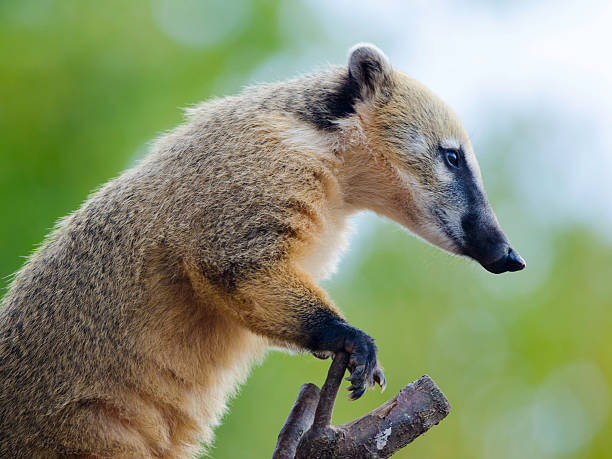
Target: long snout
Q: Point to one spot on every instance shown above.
(487, 243)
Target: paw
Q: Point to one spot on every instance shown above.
(363, 364)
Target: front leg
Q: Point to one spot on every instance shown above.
(285, 305)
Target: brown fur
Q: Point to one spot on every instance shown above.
(142, 312)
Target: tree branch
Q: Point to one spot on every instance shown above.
(329, 391)
(307, 433)
(299, 421)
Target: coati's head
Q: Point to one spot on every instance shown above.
(420, 149)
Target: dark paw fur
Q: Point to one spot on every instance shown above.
(363, 364)
(329, 334)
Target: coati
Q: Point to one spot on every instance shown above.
(128, 329)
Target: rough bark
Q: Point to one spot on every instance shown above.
(308, 432)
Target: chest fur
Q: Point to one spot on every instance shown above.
(321, 256)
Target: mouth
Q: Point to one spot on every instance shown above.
(511, 261)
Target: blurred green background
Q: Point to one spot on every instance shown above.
(523, 358)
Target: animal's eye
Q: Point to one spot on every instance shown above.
(452, 157)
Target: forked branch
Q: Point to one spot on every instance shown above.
(308, 432)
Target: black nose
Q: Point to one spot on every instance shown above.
(514, 262)
(510, 261)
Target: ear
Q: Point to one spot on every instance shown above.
(369, 67)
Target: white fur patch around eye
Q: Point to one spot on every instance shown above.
(442, 172)
(451, 143)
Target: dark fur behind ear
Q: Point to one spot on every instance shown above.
(324, 102)
(369, 66)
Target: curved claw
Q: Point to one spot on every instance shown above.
(357, 393)
(379, 377)
(354, 386)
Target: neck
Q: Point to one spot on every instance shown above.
(369, 180)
